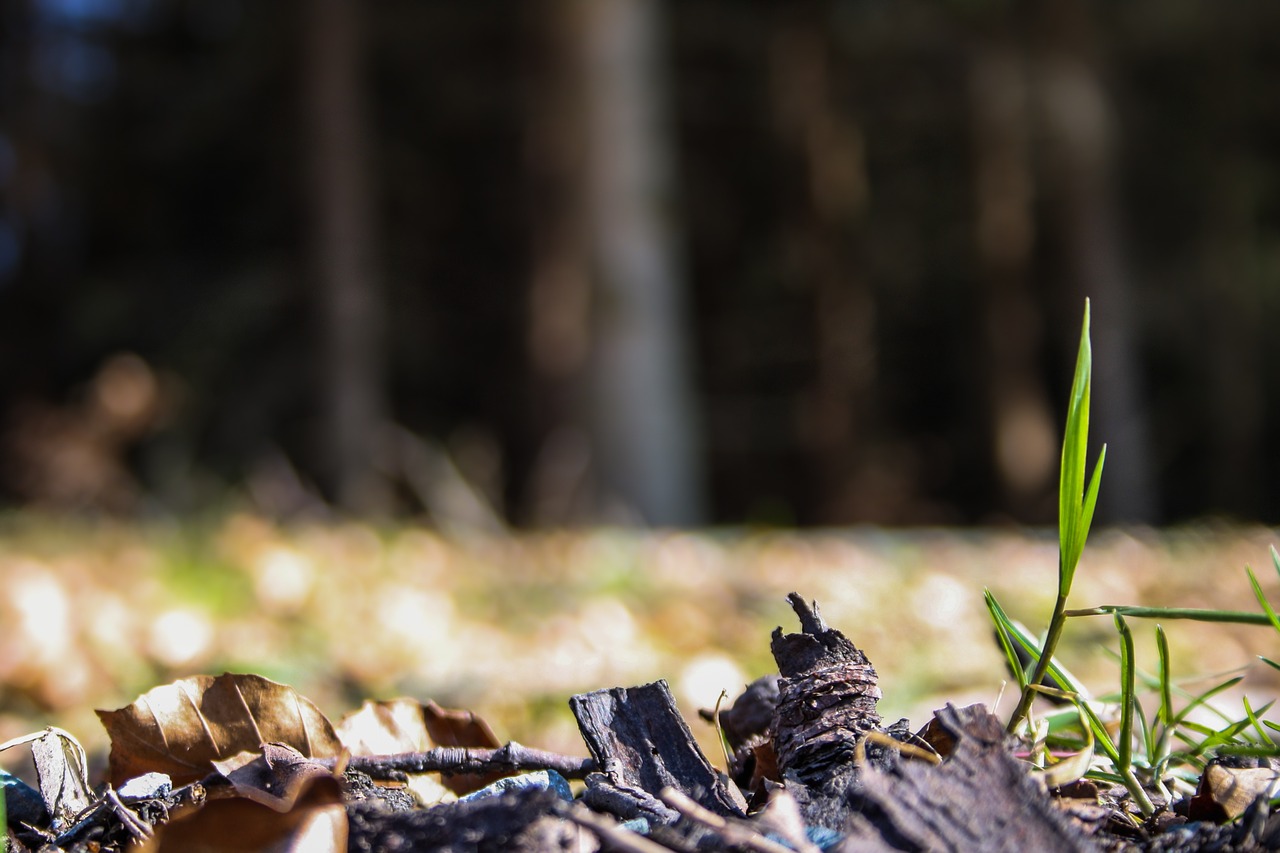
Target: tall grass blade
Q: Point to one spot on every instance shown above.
(1075, 513)
(1253, 720)
(1090, 502)
(1238, 617)
(1201, 700)
(1165, 714)
(1262, 598)
(1004, 633)
(1074, 449)
(1060, 674)
(1124, 738)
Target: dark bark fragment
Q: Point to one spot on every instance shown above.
(641, 742)
(827, 700)
(980, 798)
(626, 802)
(513, 821)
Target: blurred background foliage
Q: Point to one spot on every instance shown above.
(555, 262)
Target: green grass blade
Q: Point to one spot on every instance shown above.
(1060, 675)
(1004, 631)
(1262, 598)
(1071, 476)
(1124, 738)
(1091, 500)
(1253, 720)
(1269, 662)
(1100, 734)
(1165, 714)
(1180, 719)
(1196, 614)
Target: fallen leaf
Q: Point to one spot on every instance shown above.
(451, 727)
(407, 725)
(182, 728)
(275, 778)
(1225, 792)
(385, 728)
(316, 822)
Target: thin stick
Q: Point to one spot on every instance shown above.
(512, 757)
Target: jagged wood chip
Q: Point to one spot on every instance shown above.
(182, 728)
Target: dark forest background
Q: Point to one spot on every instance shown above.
(545, 262)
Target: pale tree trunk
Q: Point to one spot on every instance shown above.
(343, 238)
(642, 411)
(1023, 428)
(1080, 129)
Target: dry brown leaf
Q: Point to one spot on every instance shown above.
(407, 725)
(275, 778)
(385, 728)
(315, 823)
(1225, 792)
(451, 727)
(182, 728)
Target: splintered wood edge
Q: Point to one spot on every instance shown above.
(811, 621)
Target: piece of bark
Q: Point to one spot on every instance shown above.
(980, 798)
(626, 802)
(640, 741)
(827, 700)
(513, 821)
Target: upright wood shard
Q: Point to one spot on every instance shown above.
(639, 739)
(827, 698)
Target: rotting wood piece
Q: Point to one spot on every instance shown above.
(827, 699)
(980, 798)
(640, 741)
(522, 821)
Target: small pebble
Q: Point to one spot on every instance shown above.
(548, 780)
(146, 786)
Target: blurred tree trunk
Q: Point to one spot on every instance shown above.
(855, 482)
(1233, 297)
(560, 487)
(343, 259)
(642, 409)
(1022, 426)
(1081, 134)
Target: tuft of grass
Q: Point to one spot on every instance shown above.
(1112, 739)
(1077, 499)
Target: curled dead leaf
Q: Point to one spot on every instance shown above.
(1225, 792)
(182, 728)
(275, 779)
(407, 725)
(314, 822)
